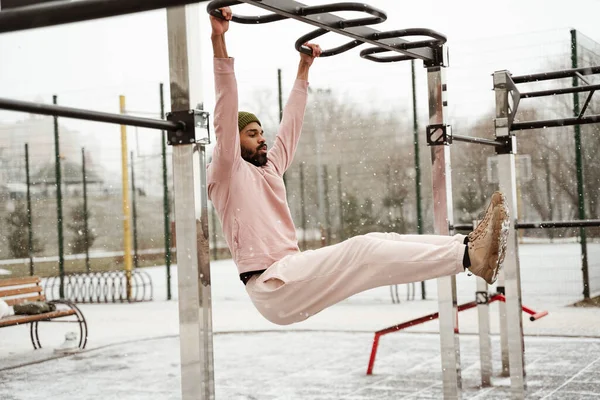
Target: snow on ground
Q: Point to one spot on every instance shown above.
(134, 347)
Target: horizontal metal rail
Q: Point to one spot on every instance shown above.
(473, 139)
(551, 92)
(321, 17)
(545, 76)
(586, 223)
(63, 12)
(88, 115)
(552, 123)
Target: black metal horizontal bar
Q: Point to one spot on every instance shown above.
(472, 139)
(329, 22)
(545, 76)
(586, 223)
(6, 4)
(551, 92)
(461, 227)
(88, 115)
(552, 123)
(559, 224)
(63, 12)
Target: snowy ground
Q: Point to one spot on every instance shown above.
(133, 349)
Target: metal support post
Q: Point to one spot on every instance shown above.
(193, 262)
(29, 212)
(442, 211)
(59, 206)
(125, 203)
(505, 89)
(503, 328)
(483, 315)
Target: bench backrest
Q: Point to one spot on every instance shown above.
(19, 290)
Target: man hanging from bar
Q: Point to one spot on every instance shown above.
(245, 184)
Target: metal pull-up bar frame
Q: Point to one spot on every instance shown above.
(579, 73)
(430, 50)
(189, 150)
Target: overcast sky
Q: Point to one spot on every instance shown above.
(89, 64)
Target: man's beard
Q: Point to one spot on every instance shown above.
(254, 158)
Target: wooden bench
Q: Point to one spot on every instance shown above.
(20, 290)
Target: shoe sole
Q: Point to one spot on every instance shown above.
(505, 230)
(500, 238)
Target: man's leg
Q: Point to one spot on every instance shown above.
(440, 240)
(303, 284)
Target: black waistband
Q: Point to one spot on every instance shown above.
(245, 277)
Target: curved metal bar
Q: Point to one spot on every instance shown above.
(102, 287)
(83, 331)
(213, 9)
(378, 16)
(326, 53)
(437, 39)
(35, 341)
(366, 54)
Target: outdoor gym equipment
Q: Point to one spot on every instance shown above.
(188, 133)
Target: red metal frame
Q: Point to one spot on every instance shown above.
(461, 307)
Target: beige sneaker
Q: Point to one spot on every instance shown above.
(486, 250)
(496, 199)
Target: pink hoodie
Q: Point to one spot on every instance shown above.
(251, 201)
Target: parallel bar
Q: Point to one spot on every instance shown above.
(442, 213)
(540, 225)
(545, 76)
(472, 139)
(88, 115)
(551, 92)
(552, 123)
(331, 23)
(558, 224)
(64, 12)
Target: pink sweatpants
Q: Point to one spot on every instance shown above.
(303, 284)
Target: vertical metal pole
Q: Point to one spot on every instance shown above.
(442, 212)
(579, 165)
(503, 326)
(280, 91)
(193, 261)
(417, 161)
(327, 208)
(204, 275)
(302, 206)
(214, 236)
(549, 193)
(134, 213)
(125, 203)
(507, 179)
(59, 209)
(166, 208)
(86, 214)
(485, 342)
(29, 217)
(340, 202)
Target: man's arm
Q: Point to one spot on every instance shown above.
(282, 153)
(227, 151)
